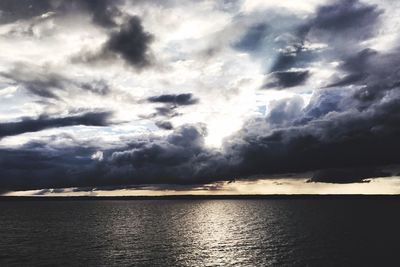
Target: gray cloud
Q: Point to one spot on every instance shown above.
(352, 175)
(148, 161)
(171, 102)
(180, 99)
(100, 87)
(350, 18)
(45, 122)
(128, 42)
(47, 84)
(166, 125)
(103, 12)
(167, 111)
(253, 38)
(131, 42)
(337, 141)
(286, 79)
(285, 112)
(375, 72)
(334, 140)
(24, 9)
(295, 57)
(40, 84)
(283, 41)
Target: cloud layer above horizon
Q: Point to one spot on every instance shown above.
(113, 94)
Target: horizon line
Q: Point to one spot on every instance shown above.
(199, 197)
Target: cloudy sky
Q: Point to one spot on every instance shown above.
(247, 96)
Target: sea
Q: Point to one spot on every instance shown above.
(201, 232)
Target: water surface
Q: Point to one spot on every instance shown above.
(349, 232)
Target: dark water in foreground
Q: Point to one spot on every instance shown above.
(360, 232)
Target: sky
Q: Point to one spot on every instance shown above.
(123, 97)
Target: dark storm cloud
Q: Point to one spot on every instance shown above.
(295, 57)
(174, 150)
(347, 17)
(352, 175)
(171, 103)
(166, 125)
(167, 111)
(322, 103)
(28, 168)
(180, 99)
(26, 125)
(154, 160)
(376, 73)
(131, 43)
(279, 38)
(353, 124)
(333, 140)
(356, 67)
(341, 140)
(286, 79)
(285, 111)
(347, 80)
(338, 140)
(340, 24)
(180, 158)
(103, 11)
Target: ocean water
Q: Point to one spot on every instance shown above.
(314, 232)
